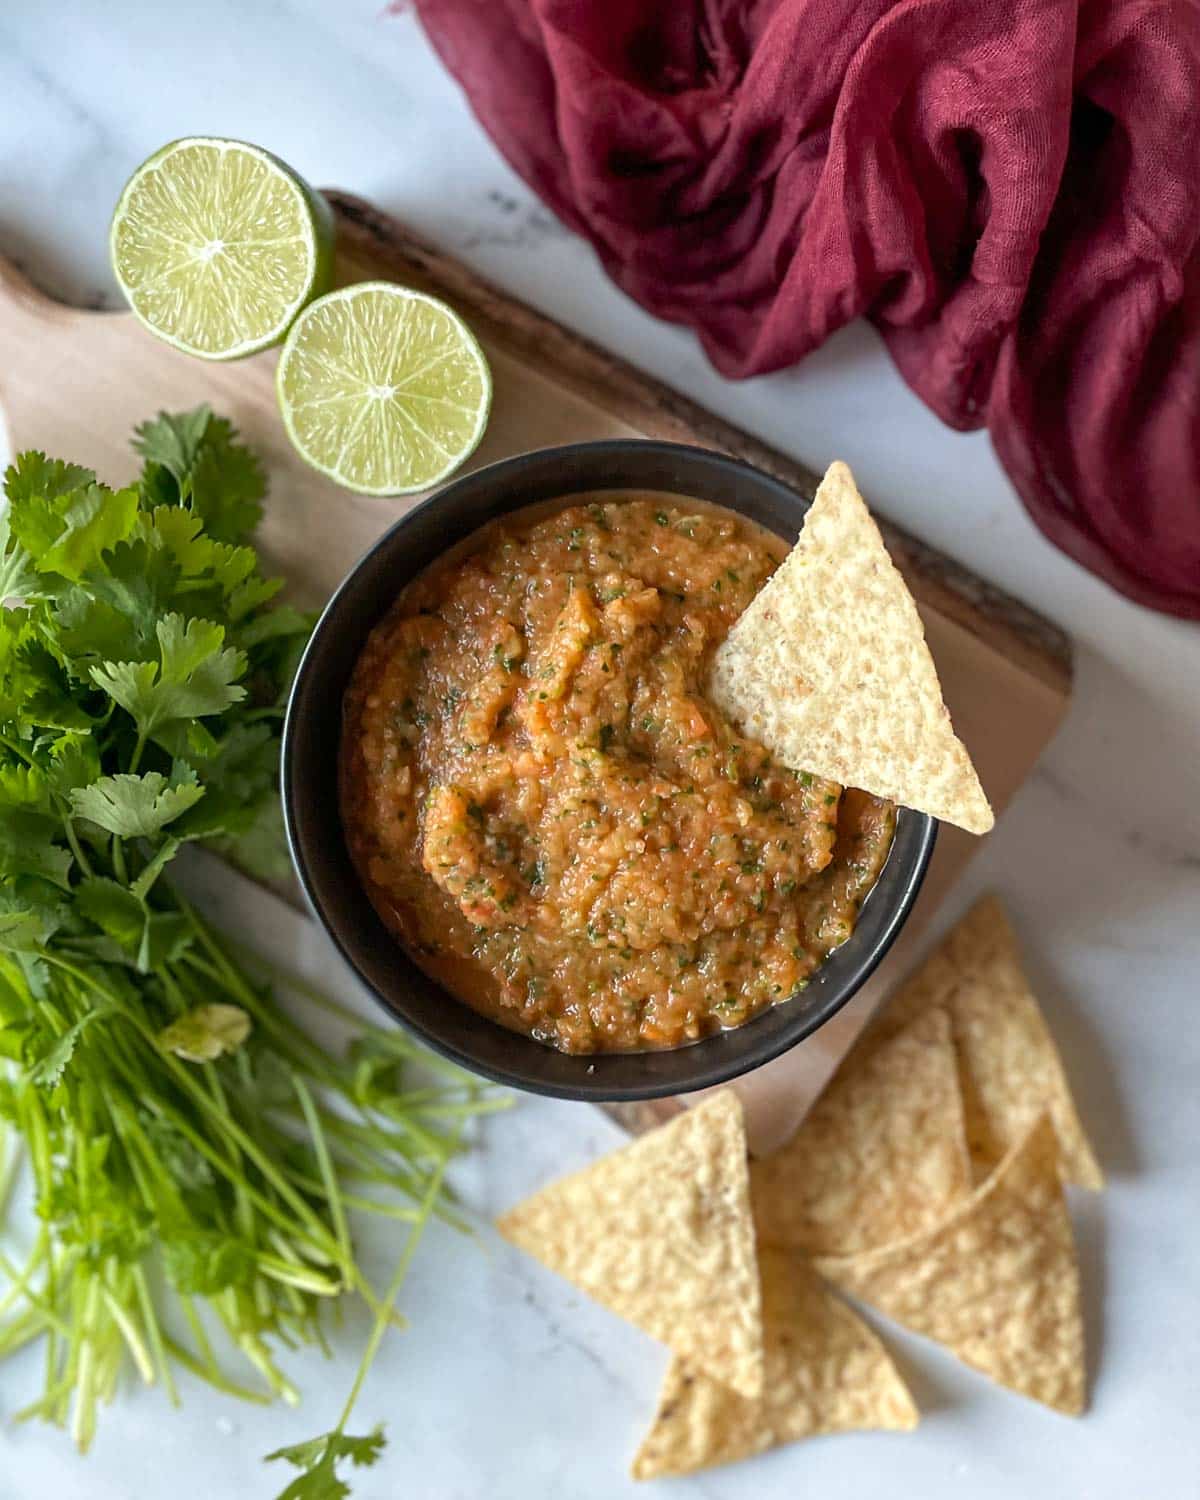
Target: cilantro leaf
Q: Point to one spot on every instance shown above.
(173, 440)
(94, 521)
(35, 477)
(163, 855)
(27, 847)
(219, 478)
(74, 762)
(116, 614)
(18, 577)
(30, 914)
(239, 780)
(319, 1458)
(147, 938)
(259, 846)
(192, 660)
(222, 814)
(251, 595)
(186, 1166)
(157, 486)
(200, 1262)
(246, 760)
(113, 908)
(90, 630)
(166, 936)
(135, 806)
(185, 739)
(62, 517)
(274, 624)
(49, 1069)
(178, 531)
(34, 690)
(193, 676)
(227, 483)
(206, 1032)
(24, 786)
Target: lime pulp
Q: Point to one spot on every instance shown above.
(217, 245)
(383, 388)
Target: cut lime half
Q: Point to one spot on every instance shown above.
(217, 246)
(384, 389)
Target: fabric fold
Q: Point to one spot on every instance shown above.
(1009, 193)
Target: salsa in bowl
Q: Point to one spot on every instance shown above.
(516, 811)
(547, 810)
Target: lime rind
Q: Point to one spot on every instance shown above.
(383, 389)
(183, 258)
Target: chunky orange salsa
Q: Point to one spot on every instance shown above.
(548, 812)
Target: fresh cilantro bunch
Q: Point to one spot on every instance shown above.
(146, 647)
(194, 1153)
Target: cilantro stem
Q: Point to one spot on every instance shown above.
(133, 1340)
(20, 1285)
(18, 750)
(83, 1418)
(206, 1350)
(224, 1121)
(382, 1318)
(81, 858)
(154, 1334)
(48, 1404)
(213, 1375)
(21, 1331)
(332, 1195)
(213, 1157)
(10, 1170)
(358, 1204)
(135, 759)
(255, 1351)
(285, 980)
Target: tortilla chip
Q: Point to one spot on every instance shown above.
(828, 668)
(825, 1372)
(660, 1232)
(882, 1155)
(1011, 1069)
(997, 1283)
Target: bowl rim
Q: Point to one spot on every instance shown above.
(921, 829)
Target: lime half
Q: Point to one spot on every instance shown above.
(384, 389)
(218, 245)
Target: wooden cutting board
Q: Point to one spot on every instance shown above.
(75, 382)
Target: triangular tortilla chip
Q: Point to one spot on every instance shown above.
(660, 1232)
(1011, 1070)
(882, 1155)
(825, 1372)
(997, 1283)
(828, 668)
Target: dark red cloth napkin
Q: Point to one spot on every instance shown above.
(1008, 189)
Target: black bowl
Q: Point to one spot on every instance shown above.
(310, 788)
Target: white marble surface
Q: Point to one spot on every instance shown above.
(507, 1384)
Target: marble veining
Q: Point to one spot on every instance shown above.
(508, 1383)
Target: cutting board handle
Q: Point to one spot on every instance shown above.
(62, 370)
(22, 305)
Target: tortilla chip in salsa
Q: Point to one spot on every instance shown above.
(828, 668)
